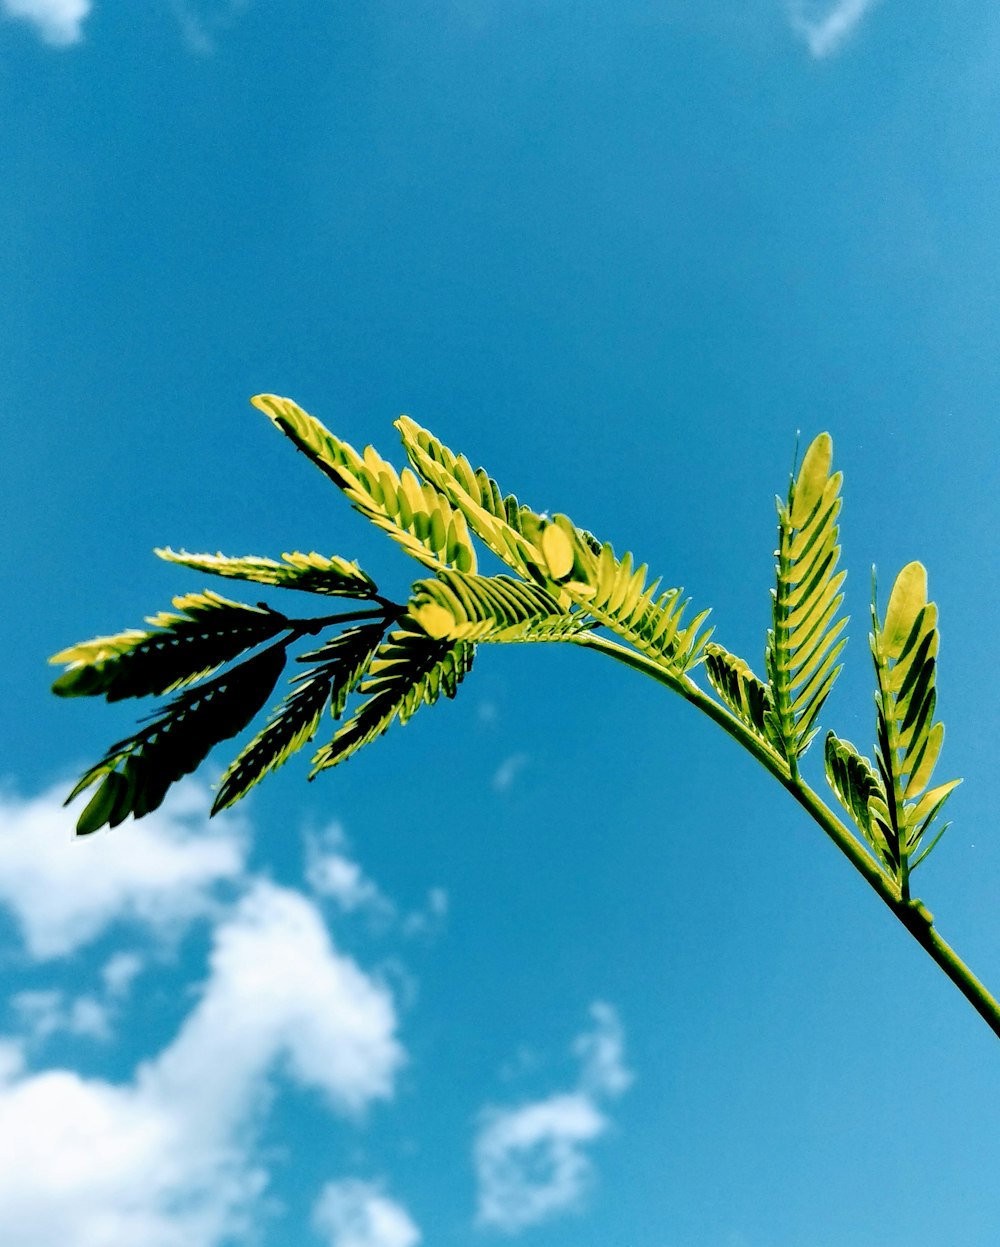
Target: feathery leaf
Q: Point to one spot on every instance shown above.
(341, 664)
(309, 573)
(747, 696)
(418, 516)
(860, 790)
(803, 644)
(904, 649)
(137, 772)
(617, 596)
(458, 607)
(498, 520)
(409, 669)
(209, 632)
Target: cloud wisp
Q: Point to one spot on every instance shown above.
(58, 22)
(353, 1213)
(531, 1161)
(826, 26)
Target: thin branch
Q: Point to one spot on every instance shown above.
(911, 913)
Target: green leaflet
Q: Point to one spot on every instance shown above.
(410, 669)
(568, 561)
(341, 664)
(420, 518)
(499, 521)
(860, 790)
(458, 607)
(309, 573)
(136, 773)
(209, 632)
(617, 596)
(748, 697)
(803, 646)
(904, 650)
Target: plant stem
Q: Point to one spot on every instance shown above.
(911, 913)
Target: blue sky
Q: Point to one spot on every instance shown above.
(553, 964)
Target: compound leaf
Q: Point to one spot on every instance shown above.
(410, 669)
(309, 573)
(208, 632)
(904, 649)
(804, 641)
(417, 516)
(458, 607)
(341, 663)
(860, 790)
(747, 696)
(498, 520)
(136, 773)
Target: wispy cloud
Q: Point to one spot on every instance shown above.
(531, 1160)
(202, 20)
(58, 22)
(508, 771)
(333, 873)
(827, 24)
(352, 1213)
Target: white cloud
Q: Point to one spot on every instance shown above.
(508, 771)
(202, 20)
(357, 1214)
(531, 1162)
(119, 972)
(59, 22)
(826, 24)
(64, 891)
(331, 872)
(45, 1013)
(430, 920)
(602, 1053)
(167, 1160)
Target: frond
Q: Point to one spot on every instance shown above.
(418, 516)
(747, 696)
(803, 644)
(568, 561)
(341, 664)
(498, 520)
(860, 790)
(208, 632)
(618, 597)
(309, 573)
(410, 669)
(904, 650)
(458, 607)
(136, 773)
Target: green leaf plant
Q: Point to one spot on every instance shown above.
(383, 660)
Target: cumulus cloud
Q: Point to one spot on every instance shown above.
(167, 1159)
(59, 22)
(531, 1161)
(65, 891)
(352, 1213)
(824, 25)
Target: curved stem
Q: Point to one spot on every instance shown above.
(911, 913)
